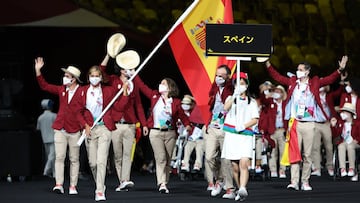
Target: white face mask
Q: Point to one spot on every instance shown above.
(163, 88)
(348, 89)
(242, 88)
(129, 73)
(219, 80)
(343, 116)
(266, 92)
(300, 74)
(185, 107)
(276, 95)
(67, 81)
(94, 80)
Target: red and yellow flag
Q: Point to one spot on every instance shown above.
(188, 45)
(291, 152)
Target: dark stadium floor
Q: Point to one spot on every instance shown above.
(38, 189)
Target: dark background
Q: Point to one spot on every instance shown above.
(325, 35)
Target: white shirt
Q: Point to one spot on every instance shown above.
(217, 121)
(303, 104)
(94, 101)
(246, 112)
(162, 113)
(353, 99)
(279, 122)
(346, 134)
(71, 92)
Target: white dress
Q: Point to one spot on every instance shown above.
(239, 145)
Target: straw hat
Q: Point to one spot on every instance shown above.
(75, 72)
(129, 59)
(115, 44)
(349, 107)
(187, 99)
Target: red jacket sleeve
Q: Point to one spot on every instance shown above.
(278, 77)
(329, 79)
(148, 92)
(53, 89)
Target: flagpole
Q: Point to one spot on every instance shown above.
(179, 20)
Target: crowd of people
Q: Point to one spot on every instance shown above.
(293, 119)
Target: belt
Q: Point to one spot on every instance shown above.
(162, 129)
(123, 122)
(322, 122)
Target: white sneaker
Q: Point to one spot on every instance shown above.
(316, 172)
(306, 187)
(282, 174)
(125, 186)
(229, 194)
(351, 172)
(163, 189)
(210, 187)
(293, 186)
(99, 196)
(241, 194)
(355, 178)
(343, 172)
(72, 190)
(58, 189)
(331, 172)
(258, 169)
(185, 167)
(274, 174)
(216, 190)
(196, 167)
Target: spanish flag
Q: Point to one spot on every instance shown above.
(291, 152)
(187, 42)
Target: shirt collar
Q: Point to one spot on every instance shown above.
(68, 89)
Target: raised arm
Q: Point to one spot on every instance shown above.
(39, 64)
(332, 77)
(276, 75)
(148, 92)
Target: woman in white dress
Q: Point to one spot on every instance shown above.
(239, 120)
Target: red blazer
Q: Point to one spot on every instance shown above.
(134, 111)
(338, 128)
(267, 120)
(227, 91)
(68, 114)
(314, 83)
(330, 98)
(108, 94)
(154, 96)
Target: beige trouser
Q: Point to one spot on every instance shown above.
(97, 146)
(214, 140)
(162, 143)
(198, 145)
(305, 133)
(122, 141)
(62, 139)
(350, 148)
(322, 133)
(277, 152)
